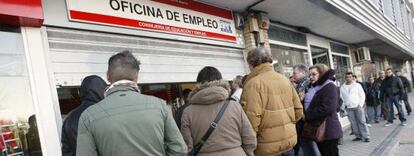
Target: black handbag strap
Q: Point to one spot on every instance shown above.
(210, 130)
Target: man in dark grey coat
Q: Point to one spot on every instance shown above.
(407, 86)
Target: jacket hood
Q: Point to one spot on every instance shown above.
(209, 92)
(92, 90)
(329, 75)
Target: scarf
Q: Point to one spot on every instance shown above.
(312, 92)
(126, 83)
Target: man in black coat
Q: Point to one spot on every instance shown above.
(407, 85)
(91, 92)
(393, 90)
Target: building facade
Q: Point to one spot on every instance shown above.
(49, 48)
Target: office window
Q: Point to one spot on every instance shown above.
(380, 6)
(406, 22)
(410, 24)
(374, 2)
(388, 11)
(398, 18)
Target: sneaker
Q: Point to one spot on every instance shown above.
(367, 140)
(369, 125)
(377, 121)
(357, 139)
(388, 124)
(404, 123)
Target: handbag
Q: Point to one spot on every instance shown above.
(315, 132)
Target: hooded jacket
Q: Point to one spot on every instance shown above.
(273, 108)
(234, 135)
(91, 91)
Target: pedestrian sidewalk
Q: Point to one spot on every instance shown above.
(384, 140)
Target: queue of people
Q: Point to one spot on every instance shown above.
(263, 113)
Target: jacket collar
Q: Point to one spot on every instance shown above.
(329, 75)
(263, 68)
(209, 92)
(122, 85)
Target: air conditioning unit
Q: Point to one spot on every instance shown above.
(362, 55)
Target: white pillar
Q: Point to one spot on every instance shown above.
(43, 92)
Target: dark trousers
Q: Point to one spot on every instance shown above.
(384, 110)
(329, 147)
(407, 104)
(299, 128)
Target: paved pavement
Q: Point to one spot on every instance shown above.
(384, 140)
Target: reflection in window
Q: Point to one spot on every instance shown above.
(285, 58)
(18, 128)
(342, 65)
(320, 55)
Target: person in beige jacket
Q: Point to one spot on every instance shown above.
(271, 104)
(234, 135)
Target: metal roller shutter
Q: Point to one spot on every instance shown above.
(76, 54)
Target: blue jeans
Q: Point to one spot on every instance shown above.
(310, 148)
(374, 113)
(288, 153)
(394, 101)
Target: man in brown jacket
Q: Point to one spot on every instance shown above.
(271, 104)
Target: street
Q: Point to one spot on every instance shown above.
(394, 140)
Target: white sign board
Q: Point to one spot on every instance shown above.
(183, 17)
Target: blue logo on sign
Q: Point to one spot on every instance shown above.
(226, 27)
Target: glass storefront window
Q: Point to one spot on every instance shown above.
(320, 55)
(342, 65)
(18, 128)
(69, 97)
(285, 58)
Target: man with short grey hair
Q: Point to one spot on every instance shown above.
(300, 75)
(271, 104)
(126, 122)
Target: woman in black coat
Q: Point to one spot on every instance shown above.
(323, 106)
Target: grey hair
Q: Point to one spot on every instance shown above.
(123, 66)
(302, 67)
(258, 56)
(238, 81)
